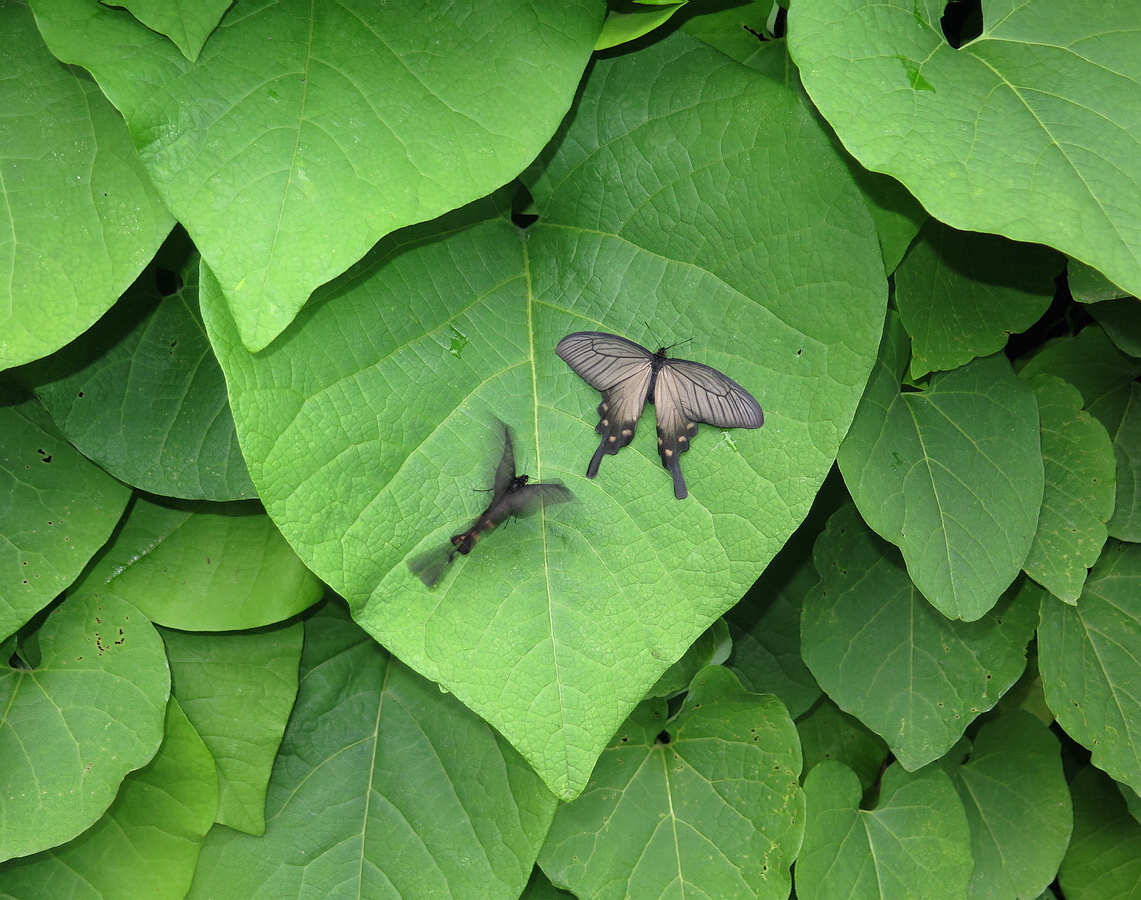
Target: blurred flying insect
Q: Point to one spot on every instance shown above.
(512, 495)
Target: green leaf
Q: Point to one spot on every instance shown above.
(1125, 523)
(897, 214)
(1018, 805)
(1025, 131)
(1089, 657)
(1088, 285)
(714, 811)
(960, 294)
(147, 842)
(712, 648)
(733, 29)
(81, 216)
(321, 129)
(1105, 376)
(886, 656)
(830, 733)
(951, 474)
(186, 24)
(1104, 858)
(385, 787)
(554, 628)
(238, 690)
(1091, 363)
(204, 566)
(629, 21)
(765, 627)
(57, 511)
(89, 713)
(1121, 320)
(915, 842)
(1078, 497)
(142, 394)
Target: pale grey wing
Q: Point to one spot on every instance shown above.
(603, 360)
(505, 471)
(688, 392)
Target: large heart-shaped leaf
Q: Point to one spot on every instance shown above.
(1029, 130)
(915, 842)
(554, 630)
(885, 655)
(706, 803)
(952, 474)
(314, 130)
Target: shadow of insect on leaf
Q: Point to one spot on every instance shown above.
(512, 496)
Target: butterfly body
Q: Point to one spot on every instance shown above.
(513, 495)
(683, 392)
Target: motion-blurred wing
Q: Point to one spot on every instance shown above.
(688, 392)
(505, 471)
(621, 370)
(429, 566)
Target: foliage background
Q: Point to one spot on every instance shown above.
(900, 623)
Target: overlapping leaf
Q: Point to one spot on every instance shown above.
(238, 691)
(58, 509)
(312, 131)
(1018, 805)
(915, 842)
(884, 655)
(1028, 130)
(1105, 376)
(385, 787)
(829, 733)
(81, 216)
(1090, 656)
(952, 474)
(1078, 497)
(960, 295)
(88, 712)
(715, 809)
(142, 394)
(204, 566)
(147, 842)
(1104, 856)
(553, 629)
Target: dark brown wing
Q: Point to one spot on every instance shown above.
(505, 471)
(622, 371)
(429, 566)
(687, 392)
